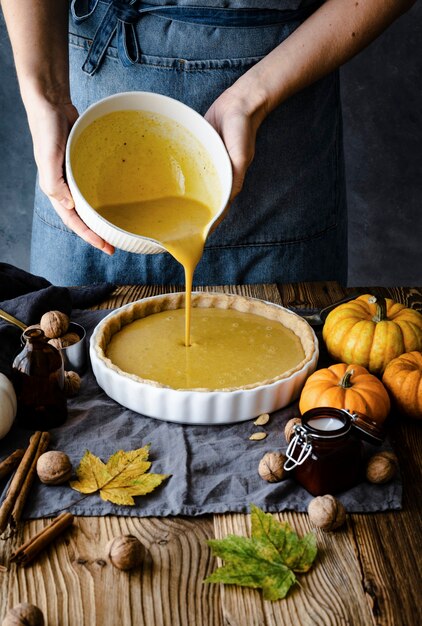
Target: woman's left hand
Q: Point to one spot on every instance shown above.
(237, 120)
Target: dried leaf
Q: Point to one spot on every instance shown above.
(268, 560)
(123, 477)
(257, 436)
(91, 473)
(261, 420)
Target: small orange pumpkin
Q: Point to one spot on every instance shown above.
(372, 332)
(403, 380)
(350, 387)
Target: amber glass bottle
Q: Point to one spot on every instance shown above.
(38, 378)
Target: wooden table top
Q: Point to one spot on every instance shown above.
(369, 572)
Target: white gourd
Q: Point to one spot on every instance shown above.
(8, 405)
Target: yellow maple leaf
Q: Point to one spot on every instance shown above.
(130, 464)
(122, 477)
(92, 474)
(120, 493)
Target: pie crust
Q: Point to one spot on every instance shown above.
(167, 302)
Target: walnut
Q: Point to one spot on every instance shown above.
(54, 324)
(382, 467)
(72, 383)
(66, 340)
(288, 429)
(56, 343)
(326, 513)
(271, 467)
(54, 467)
(24, 614)
(125, 552)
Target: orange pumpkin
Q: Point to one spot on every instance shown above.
(350, 387)
(372, 332)
(403, 380)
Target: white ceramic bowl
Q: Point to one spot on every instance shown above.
(162, 105)
(196, 406)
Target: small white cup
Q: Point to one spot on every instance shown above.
(161, 105)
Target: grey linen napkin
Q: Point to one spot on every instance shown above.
(213, 468)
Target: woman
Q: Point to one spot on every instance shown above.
(265, 78)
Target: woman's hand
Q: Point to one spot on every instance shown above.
(236, 117)
(333, 34)
(50, 125)
(38, 33)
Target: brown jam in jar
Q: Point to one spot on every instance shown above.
(326, 453)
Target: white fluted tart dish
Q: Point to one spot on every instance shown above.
(225, 390)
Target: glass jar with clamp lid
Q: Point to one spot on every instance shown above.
(325, 454)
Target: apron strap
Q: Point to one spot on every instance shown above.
(120, 18)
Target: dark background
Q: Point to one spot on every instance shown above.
(382, 104)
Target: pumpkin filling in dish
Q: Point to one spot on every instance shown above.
(236, 342)
(228, 349)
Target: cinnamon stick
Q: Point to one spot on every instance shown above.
(9, 463)
(29, 550)
(11, 508)
(27, 484)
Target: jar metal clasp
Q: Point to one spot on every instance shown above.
(300, 439)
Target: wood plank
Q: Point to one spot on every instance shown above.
(322, 294)
(308, 295)
(318, 294)
(73, 583)
(390, 544)
(124, 295)
(330, 594)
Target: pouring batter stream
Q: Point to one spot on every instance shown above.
(151, 177)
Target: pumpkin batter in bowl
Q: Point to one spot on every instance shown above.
(145, 175)
(247, 357)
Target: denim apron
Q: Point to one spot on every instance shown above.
(288, 224)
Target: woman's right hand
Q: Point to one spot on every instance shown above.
(50, 125)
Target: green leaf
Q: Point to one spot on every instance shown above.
(280, 541)
(247, 566)
(268, 560)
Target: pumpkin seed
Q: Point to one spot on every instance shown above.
(262, 419)
(257, 436)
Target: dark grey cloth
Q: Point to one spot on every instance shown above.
(213, 468)
(28, 297)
